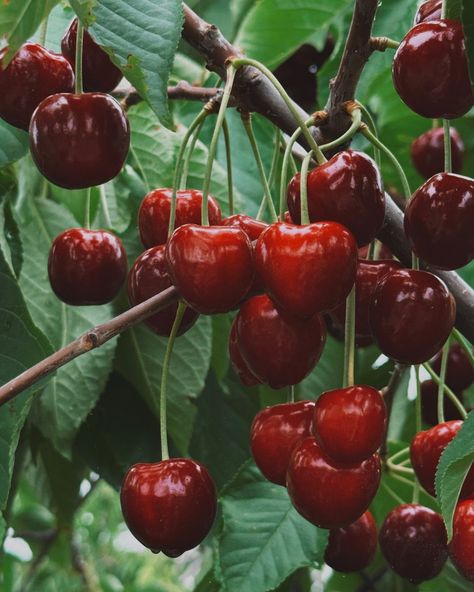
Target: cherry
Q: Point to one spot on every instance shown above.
(459, 370)
(98, 71)
(429, 404)
(345, 189)
(211, 266)
(430, 70)
(87, 266)
(279, 349)
(253, 228)
(154, 213)
(350, 423)
(33, 74)
(247, 377)
(328, 494)
(79, 141)
(413, 541)
(274, 434)
(429, 11)
(306, 269)
(169, 506)
(412, 315)
(439, 219)
(461, 548)
(353, 547)
(427, 152)
(148, 277)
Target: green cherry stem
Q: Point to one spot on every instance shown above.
(418, 424)
(394, 468)
(228, 156)
(373, 128)
(392, 494)
(463, 342)
(272, 175)
(87, 209)
(442, 380)
(356, 116)
(400, 454)
(291, 394)
(448, 167)
(444, 9)
(78, 64)
(304, 213)
(187, 161)
(105, 206)
(349, 339)
(43, 31)
(448, 392)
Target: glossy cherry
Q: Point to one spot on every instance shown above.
(148, 277)
(353, 547)
(79, 141)
(413, 540)
(429, 404)
(345, 189)
(87, 266)
(427, 152)
(98, 71)
(461, 548)
(247, 377)
(253, 228)
(169, 506)
(439, 219)
(429, 11)
(279, 349)
(274, 434)
(459, 370)
(430, 70)
(33, 74)
(328, 494)
(412, 315)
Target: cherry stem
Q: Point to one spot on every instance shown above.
(78, 63)
(373, 128)
(356, 116)
(401, 453)
(394, 468)
(418, 398)
(187, 161)
(43, 31)
(448, 167)
(304, 213)
(87, 209)
(463, 342)
(349, 339)
(448, 392)
(442, 380)
(105, 207)
(444, 9)
(164, 380)
(392, 494)
(273, 171)
(228, 157)
(291, 394)
(402, 479)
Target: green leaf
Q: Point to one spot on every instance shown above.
(220, 349)
(448, 579)
(468, 23)
(13, 143)
(454, 9)
(328, 372)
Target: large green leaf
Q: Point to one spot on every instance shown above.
(468, 22)
(13, 143)
(454, 9)
(328, 372)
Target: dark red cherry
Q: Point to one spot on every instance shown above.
(87, 266)
(413, 541)
(430, 70)
(439, 219)
(350, 423)
(79, 141)
(247, 377)
(169, 506)
(429, 404)
(154, 213)
(33, 74)
(253, 228)
(427, 152)
(274, 434)
(306, 269)
(461, 548)
(346, 189)
(412, 315)
(148, 277)
(279, 349)
(353, 547)
(98, 71)
(211, 266)
(429, 11)
(459, 370)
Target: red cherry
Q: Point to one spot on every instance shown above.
(211, 266)
(98, 71)
(430, 70)
(87, 266)
(412, 315)
(274, 434)
(247, 377)
(306, 269)
(253, 228)
(413, 541)
(353, 547)
(148, 277)
(439, 219)
(429, 404)
(33, 74)
(427, 152)
(154, 213)
(346, 189)
(327, 494)
(79, 141)
(279, 349)
(169, 506)
(429, 11)
(459, 370)
(461, 548)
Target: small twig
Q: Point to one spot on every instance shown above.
(182, 91)
(383, 43)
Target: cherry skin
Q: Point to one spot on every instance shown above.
(274, 434)
(79, 141)
(253, 228)
(413, 540)
(154, 213)
(279, 349)
(306, 269)
(346, 189)
(459, 370)
(439, 220)
(429, 404)
(148, 277)
(33, 74)
(169, 506)
(461, 548)
(429, 11)
(247, 377)
(430, 70)
(87, 266)
(427, 152)
(412, 315)
(353, 547)
(98, 72)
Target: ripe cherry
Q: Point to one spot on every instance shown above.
(429, 404)
(328, 494)
(33, 74)
(148, 277)
(79, 141)
(427, 152)
(346, 189)
(247, 377)
(169, 506)
(353, 547)
(274, 434)
(87, 266)
(429, 11)
(459, 370)
(412, 315)
(461, 548)
(253, 228)
(413, 541)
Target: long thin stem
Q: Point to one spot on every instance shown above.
(187, 161)
(105, 206)
(463, 342)
(291, 394)
(87, 209)
(228, 156)
(272, 174)
(304, 212)
(444, 7)
(348, 134)
(394, 468)
(43, 31)
(442, 380)
(373, 128)
(418, 399)
(399, 454)
(448, 392)
(349, 339)
(78, 64)
(448, 167)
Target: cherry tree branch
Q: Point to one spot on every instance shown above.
(181, 91)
